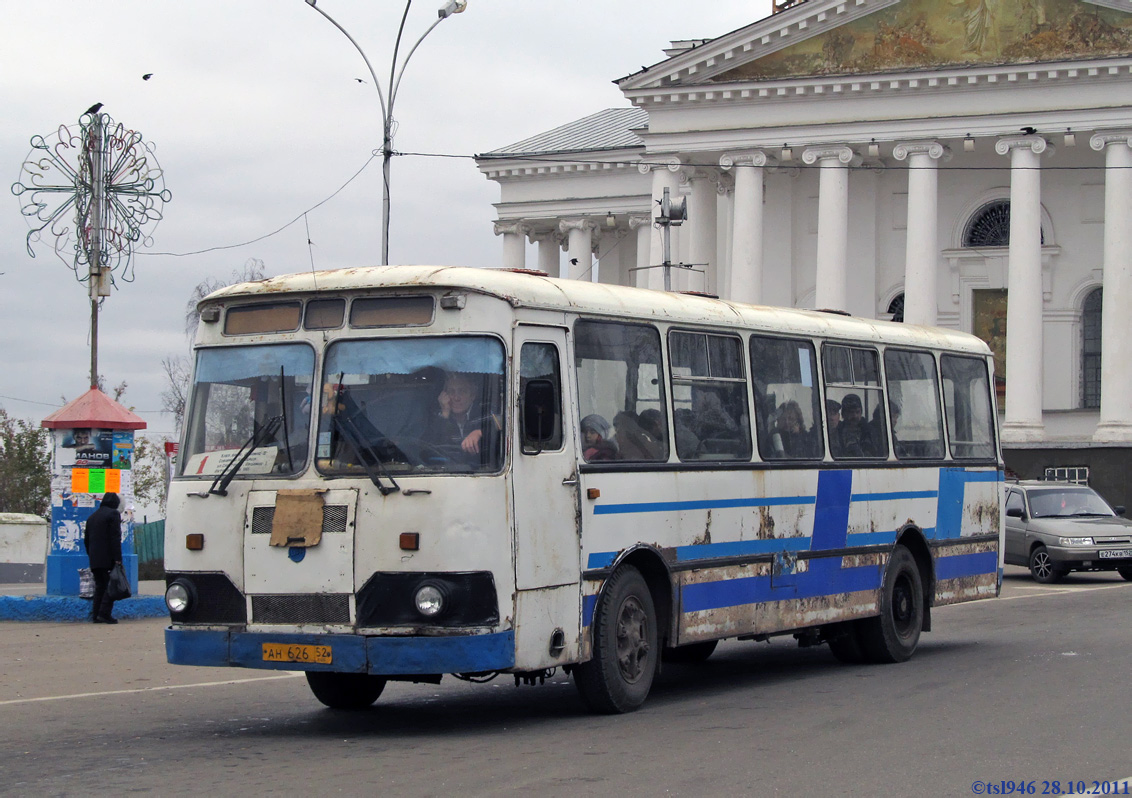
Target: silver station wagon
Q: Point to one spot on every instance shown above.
(1057, 527)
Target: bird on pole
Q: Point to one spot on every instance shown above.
(94, 109)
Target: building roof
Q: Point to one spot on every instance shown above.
(611, 129)
(577, 296)
(93, 409)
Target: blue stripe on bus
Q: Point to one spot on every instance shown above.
(757, 589)
(704, 504)
(739, 548)
(985, 562)
(895, 495)
(870, 538)
(588, 604)
(831, 513)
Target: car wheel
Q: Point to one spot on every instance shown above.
(345, 690)
(1042, 567)
(1125, 572)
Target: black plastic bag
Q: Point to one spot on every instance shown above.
(119, 586)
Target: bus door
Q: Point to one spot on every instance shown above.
(299, 556)
(545, 495)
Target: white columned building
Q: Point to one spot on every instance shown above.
(896, 160)
(514, 243)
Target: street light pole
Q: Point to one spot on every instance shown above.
(395, 74)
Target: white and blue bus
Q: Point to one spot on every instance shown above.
(397, 473)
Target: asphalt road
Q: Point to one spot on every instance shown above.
(1031, 687)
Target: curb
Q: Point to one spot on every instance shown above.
(75, 609)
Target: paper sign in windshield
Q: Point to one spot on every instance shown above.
(210, 464)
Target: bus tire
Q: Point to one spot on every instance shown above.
(618, 676)
(845, 643)
(690, 654)
(893, 635)
(350, 691)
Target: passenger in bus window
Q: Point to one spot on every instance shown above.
(461, 421)
(832, 416)
(632, 441)
(712, 421)
(791, 438)
(852, 438)
(595, 437)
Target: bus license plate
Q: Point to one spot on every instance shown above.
(283, 652)
(1114, 554)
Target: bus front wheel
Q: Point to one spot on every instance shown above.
(619, 675)
(893, 635)
(345, 690)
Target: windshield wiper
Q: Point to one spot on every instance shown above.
(283, 413)
(259, 437)
(349, 432)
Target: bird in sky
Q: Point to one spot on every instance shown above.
(359, 80)
(573, 261)
(94, 109)
(147, 76)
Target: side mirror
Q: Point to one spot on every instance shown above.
(540, 411)
(1119, 509)
(1014, 512)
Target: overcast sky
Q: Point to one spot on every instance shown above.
(256, 117)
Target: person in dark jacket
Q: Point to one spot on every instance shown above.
(103, 540)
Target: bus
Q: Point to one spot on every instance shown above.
(405, 472)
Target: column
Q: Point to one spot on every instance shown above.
(1024, 350)
(1116, 323)
(833, 223)
(642, 223)
(725, 216)
(665, 174)
(702, 232)
(921, 262)
(549, 246)
(514, 245)
(746, 273)
(579, 254)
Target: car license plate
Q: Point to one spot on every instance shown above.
(1114, 554)
(284, 652)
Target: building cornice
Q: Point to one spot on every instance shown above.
(903, 83)
(501, 168)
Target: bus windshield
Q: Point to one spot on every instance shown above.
(412, 405)
(250, 397)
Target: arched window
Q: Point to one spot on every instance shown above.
(896, 307)
(1091, 349)
(989, 226)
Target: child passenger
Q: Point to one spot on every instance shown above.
(595, 439)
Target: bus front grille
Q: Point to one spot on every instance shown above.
(302, 608)
(333, 519)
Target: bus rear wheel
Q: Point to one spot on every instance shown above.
(845, 643)
(618, 676)
(345, 690)
(893, 635)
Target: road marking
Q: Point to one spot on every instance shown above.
(1058, 591)
(287, 675)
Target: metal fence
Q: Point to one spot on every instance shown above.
(149, 542)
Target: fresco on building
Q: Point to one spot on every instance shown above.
(934, 33)
(989, 323)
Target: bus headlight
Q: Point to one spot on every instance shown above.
(1076, 541)
(179, 597)
(429, 600)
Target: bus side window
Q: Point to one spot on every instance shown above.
(913, 405)
(852, 380)
(620, 391)
(787, 403)
(968, 406)
(709, 397)
(539, 362)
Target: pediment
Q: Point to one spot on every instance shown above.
(830, 37)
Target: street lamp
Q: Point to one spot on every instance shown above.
(395, 73)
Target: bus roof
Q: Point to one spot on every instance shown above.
(527, 290)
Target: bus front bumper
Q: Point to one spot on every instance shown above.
(383, 656)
